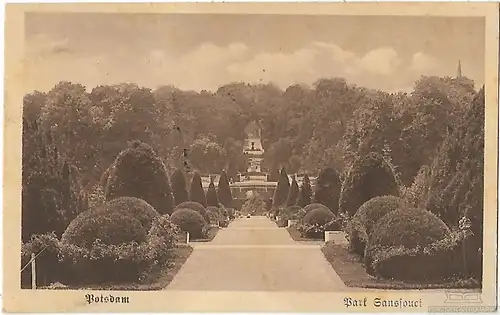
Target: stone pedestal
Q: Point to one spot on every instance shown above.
(337, 237)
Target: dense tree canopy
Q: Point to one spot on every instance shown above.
(305, 129)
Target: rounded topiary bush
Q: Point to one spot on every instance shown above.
(312, 206)
(316, 222)
(406, 229)
(196, 206)
(111, 228)
(409, 228)
(319, 216)
(367, 216)
(370, 176)
(138, 208)
(139, 172)
(190, 221)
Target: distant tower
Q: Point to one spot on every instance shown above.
(459, 70)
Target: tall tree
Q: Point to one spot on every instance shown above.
(51, 193)
(457, 170)
(224, 191)
(196, 193)
(293, 193)
(282, 189)
(305, 193)
(212, 200)
(327, 189)
(179, 189)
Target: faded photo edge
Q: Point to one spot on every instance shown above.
(17, 300)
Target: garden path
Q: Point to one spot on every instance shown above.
(253, 254)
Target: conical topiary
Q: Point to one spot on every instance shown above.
(224, 191)
(179, 187)
(282, 189)
(305, 193)
(196, 193)
(293, 194)
(212, 200)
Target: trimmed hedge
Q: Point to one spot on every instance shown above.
(406, 228)
(101, 263)
(312, 206)
(370, 176)
(138, 208)
(190, 221)
(139, 172)
(198, 207)
(318, 216)
(443, 259)
(409, 228)
(366, 217)
(111, 228)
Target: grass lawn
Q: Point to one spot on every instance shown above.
(157, 280)
(353, 273)
(296, 236)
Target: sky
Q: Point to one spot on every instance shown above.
(204, 51)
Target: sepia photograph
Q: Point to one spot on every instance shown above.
(319, 154)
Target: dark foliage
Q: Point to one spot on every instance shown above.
(110, 227)
(196, 192)
(282, 189)
(135, 207)
(124, 263)
(319, 216)
(212, 200)
(327, 189)
(214, 214)
(293, 194)
(442, 259)
(290, 213)
(51, 193)
(224, 191)
(370, 176)
(405, 229)
(409, 228)
(193, 206)
(179, 189)
(139, 172)
(457, 172)
(305, 193)
(312, 206)
(367, 216)
(189, 221)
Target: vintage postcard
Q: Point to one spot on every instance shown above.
(230, 157)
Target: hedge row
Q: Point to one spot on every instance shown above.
(98, 263)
